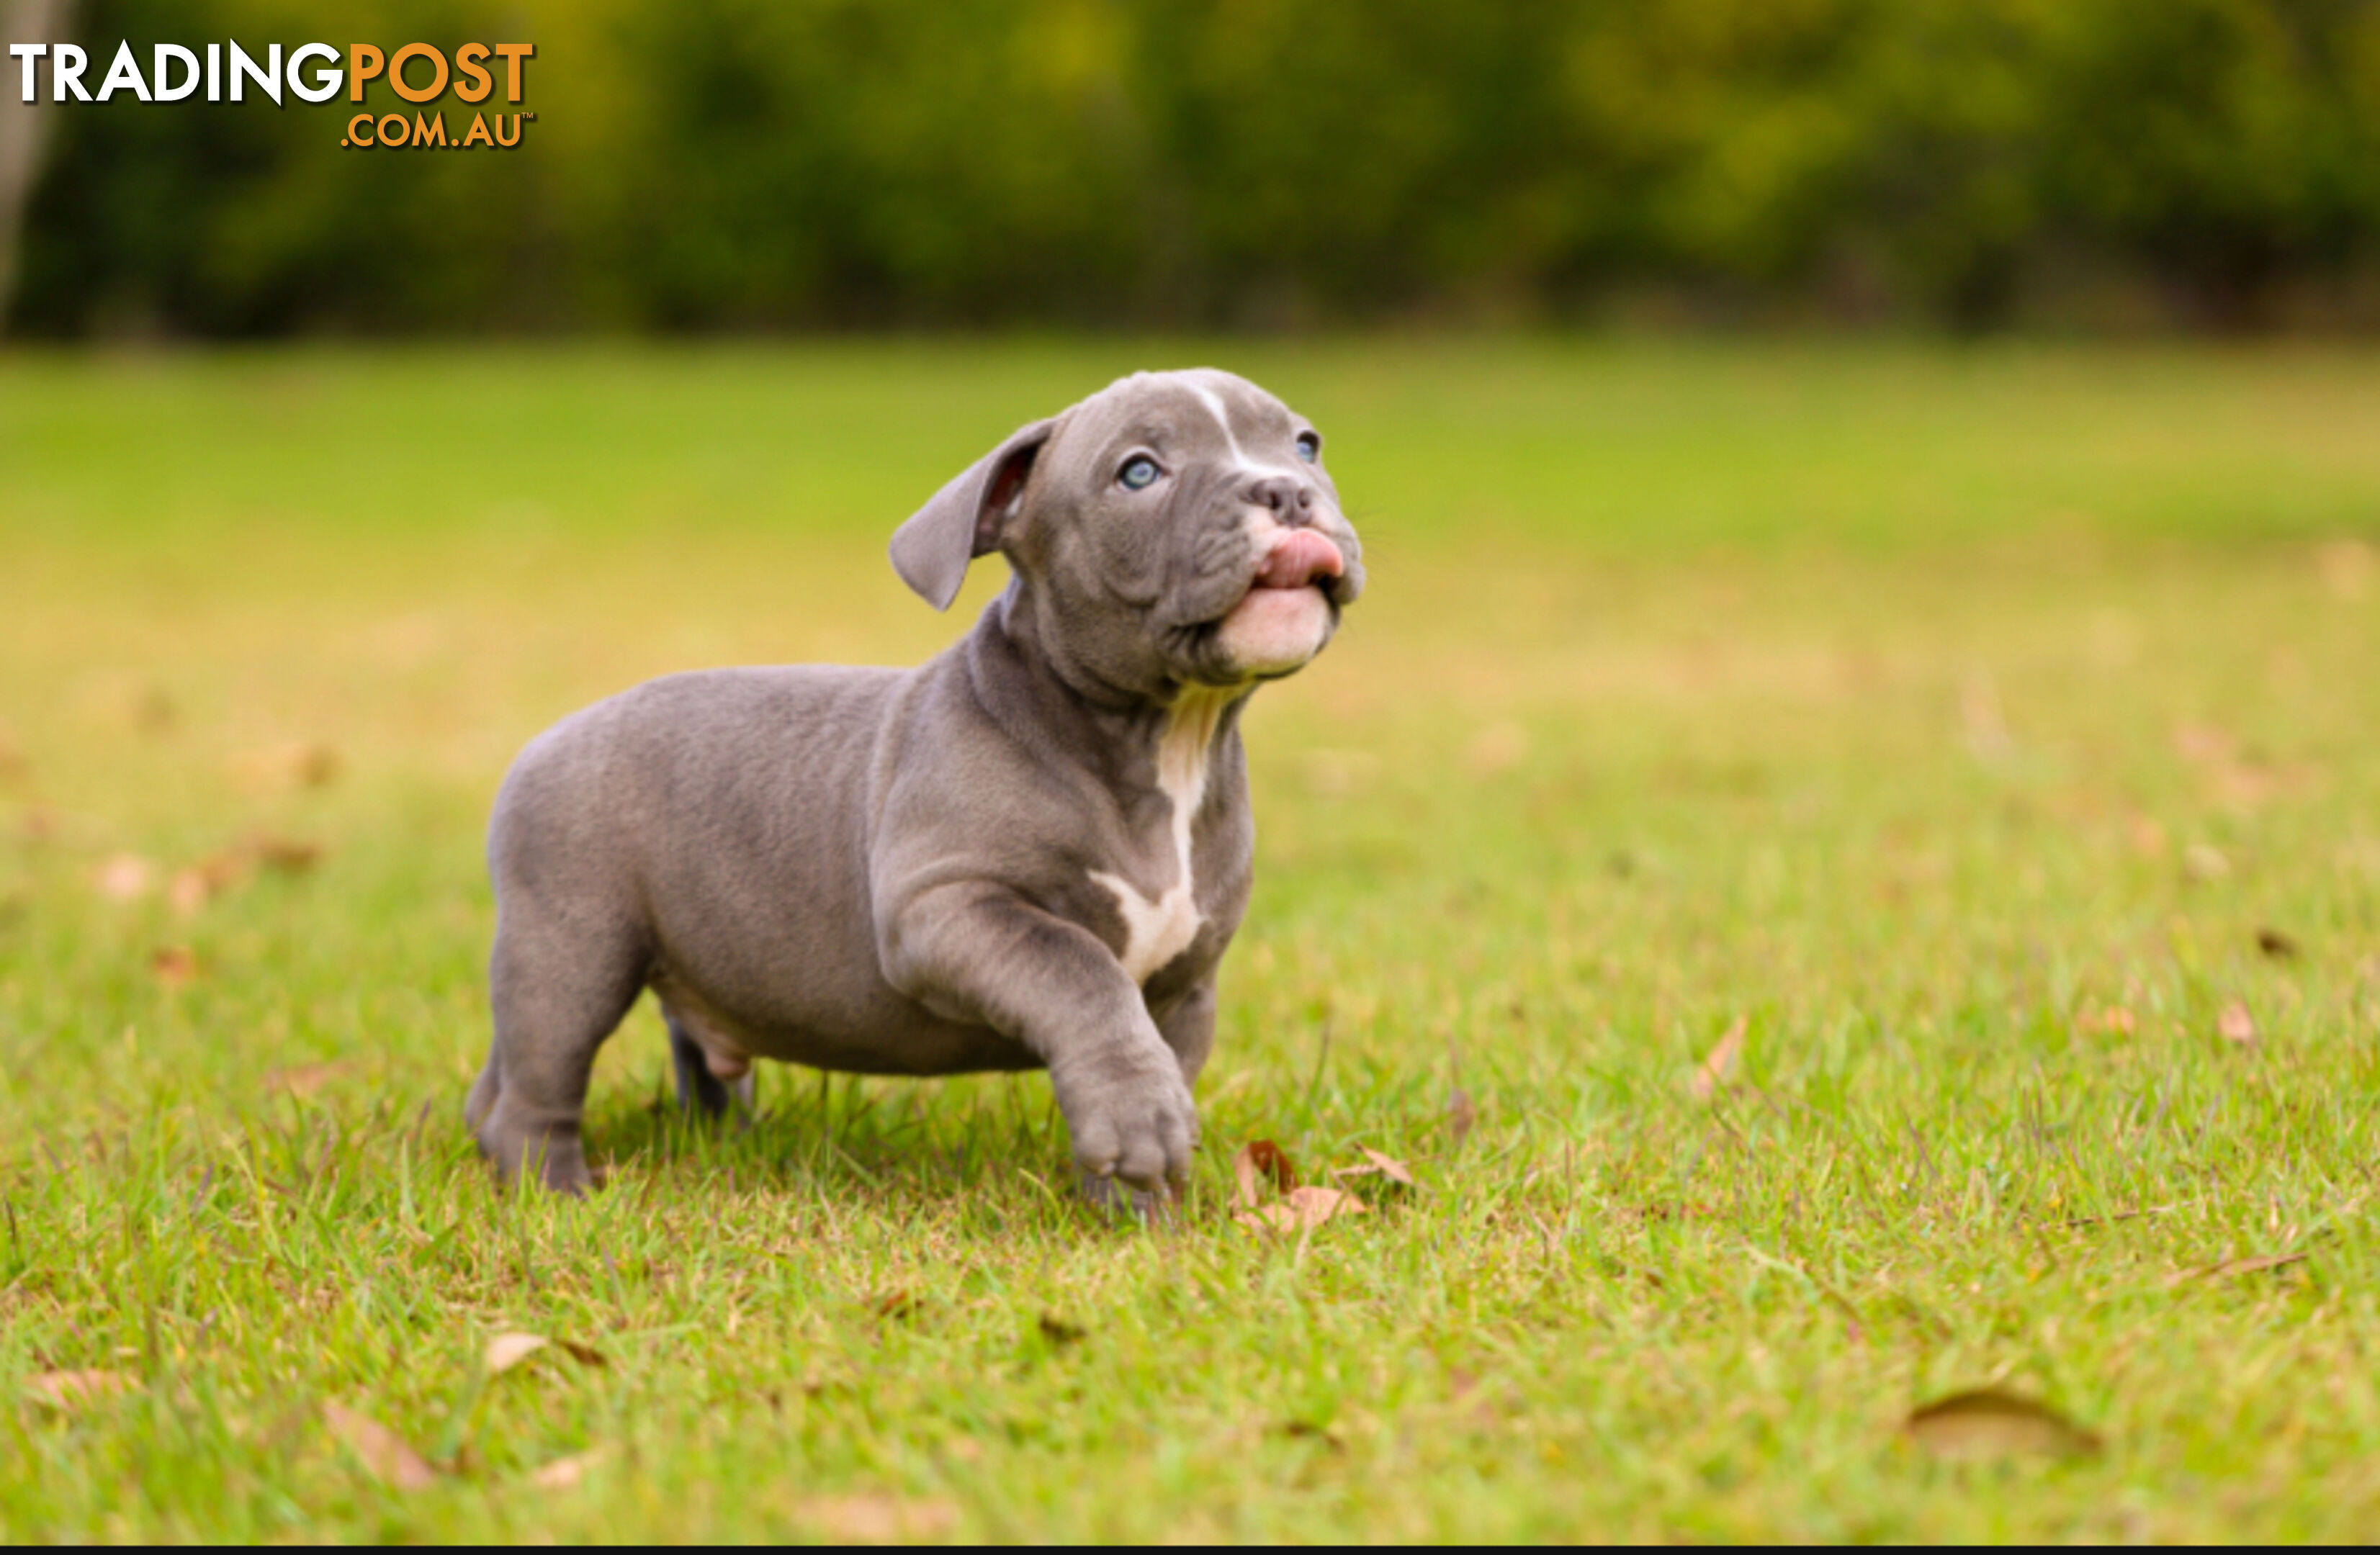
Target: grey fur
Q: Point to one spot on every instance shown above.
(923, 871)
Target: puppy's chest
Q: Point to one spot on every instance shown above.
(1169, 875)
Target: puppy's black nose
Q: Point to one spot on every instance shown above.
(1291, 500)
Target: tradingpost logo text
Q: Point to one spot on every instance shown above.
(419, 73)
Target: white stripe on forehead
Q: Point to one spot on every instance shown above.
(1214, 403)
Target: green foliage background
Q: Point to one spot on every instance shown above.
(719, 164)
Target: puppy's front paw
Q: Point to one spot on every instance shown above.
(1113, 1197)
(1129, 1116)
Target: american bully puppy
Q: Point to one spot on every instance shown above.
(1028, 852)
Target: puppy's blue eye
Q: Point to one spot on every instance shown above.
(1138, 472)
(1309, 447)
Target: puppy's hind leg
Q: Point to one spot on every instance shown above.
(559, 985)
(698, 1091)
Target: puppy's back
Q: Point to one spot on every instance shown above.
(705, 783)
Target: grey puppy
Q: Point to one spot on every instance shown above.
(1030, 851)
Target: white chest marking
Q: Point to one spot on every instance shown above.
(1157, 929)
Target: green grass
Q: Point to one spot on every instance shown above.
(1918, 710)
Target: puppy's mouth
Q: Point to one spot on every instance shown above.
(1286, 613)
(1300, 558)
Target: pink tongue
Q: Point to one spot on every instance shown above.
(1298, 557)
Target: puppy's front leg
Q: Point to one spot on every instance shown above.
(982, 954)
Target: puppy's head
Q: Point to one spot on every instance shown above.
(1175, 529)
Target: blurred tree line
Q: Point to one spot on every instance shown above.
(723, 164)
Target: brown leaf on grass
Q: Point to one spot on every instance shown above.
(1717, 1065)
(1261, 1161)
(877, 1518)
(70, 1389)
(2277, 944)
(284, 855)
(894, 1304)
(297, 763)
(2114, 1019)
(2231, 1267)
(2235, 1024)
(1307, 1430)
(193, 888)
(508, 1350)
(1375, 1164)
(188, 891)
(1987, 1423)
(1302, 1209)
(391, 1459)
(125, 877)
(175, 966)
(1461, 1115)
(585, 1355)
(304, 1079)
(565, 1473)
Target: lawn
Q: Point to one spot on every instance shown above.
(1979, 746)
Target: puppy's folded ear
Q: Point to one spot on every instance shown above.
(964, 518)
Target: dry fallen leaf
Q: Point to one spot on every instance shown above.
(1260, 1161)
(2277, 944)
(300, 764)
(1387, 1167)
(124, 877)
(585, 1355)
(2235, 1024)
(877, 1518)
(565, 1473)
(2115, 1020)
(188, 891)
(304, 1079)
(193, 888)
(508, 1350)
(1461, 1115)
(1987, 1423)
(1720, 1060)
(286, 855)
(894, 1304)
(2231, 1267)
(68, 1390)
(392, 1461)
(1302, 1209)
